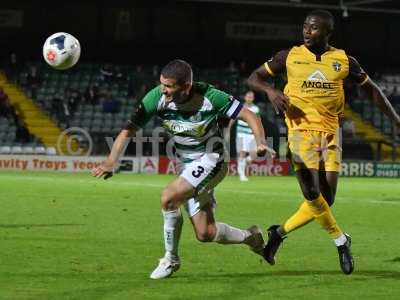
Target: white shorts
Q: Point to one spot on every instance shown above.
(203, 174)
(245, 142)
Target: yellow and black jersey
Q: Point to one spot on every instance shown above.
(315, 85)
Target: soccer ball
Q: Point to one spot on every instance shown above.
(61, 50)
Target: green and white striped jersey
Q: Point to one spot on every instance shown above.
(242, 126)
(195, 125)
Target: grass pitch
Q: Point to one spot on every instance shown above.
(71, 236)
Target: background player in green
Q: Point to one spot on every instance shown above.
(191, 112)
(245, 142)
(313, 101)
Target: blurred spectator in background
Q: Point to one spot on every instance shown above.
(73, 99)
(136, 80)
(155, 71)
(351, 91)
(6, 109)
(22, 134)
(142, 91)
(138, 69)
(139, 76)
(106, 73)
(60, 109)
(33, 80)
(3, 96)
(4, 105)
(394, 97)
(349, 130)
(131, 87)
(91, 95)
(243, 69)
(12, 68)
(119, 76)
(55, 103)
(232, 67)
(110, 104)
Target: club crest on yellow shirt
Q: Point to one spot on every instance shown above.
(336, 66)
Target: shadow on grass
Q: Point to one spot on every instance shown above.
(357, 274)
(396, 259)
(36, 225)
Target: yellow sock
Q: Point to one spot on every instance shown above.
(323, 214)
(301, 217)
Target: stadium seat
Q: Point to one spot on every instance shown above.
(51, 151)
(3, 121)
(98, 109)
(96, 129)
(40, 150)
(97, 122)
(16, 150)
(108, 123)
(75, 123)
(86, 123)
(106, 130)
(98, 115)
(5, 149)
(87, 114)
(116, 129)
(27, 150)
(119, 123)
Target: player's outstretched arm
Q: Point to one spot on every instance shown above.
(379, 98)
(256, 126)
(258, 82)
(119, 146)
(140, 116)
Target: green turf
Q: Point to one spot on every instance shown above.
(70, 236)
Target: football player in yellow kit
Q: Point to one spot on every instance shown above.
(313, 100)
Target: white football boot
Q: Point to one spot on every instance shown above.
(165, 268)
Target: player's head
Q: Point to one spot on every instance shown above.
(249, 97)
(176, 80)
(317, 28)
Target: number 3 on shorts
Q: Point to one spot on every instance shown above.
(197, 173)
